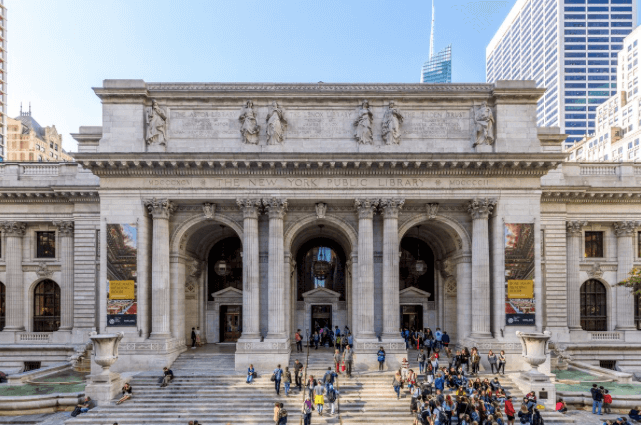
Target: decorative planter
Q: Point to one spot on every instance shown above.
(534, 348)
(106, 350)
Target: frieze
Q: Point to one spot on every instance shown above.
(321, 87)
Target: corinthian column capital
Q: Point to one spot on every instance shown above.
(624, 228)
(575, 227)
(13, 228)
(366, 207)
(65, 228)
(249, 206)
(276, 207)
(391, 207)
(481, 208)
(160, 208)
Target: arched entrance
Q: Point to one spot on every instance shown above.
(207, 279)
(594, 311)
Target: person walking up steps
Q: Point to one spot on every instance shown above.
(307, 410)
(298, 367)
(348, 358)
(193, 338)
(319, 398)
(276, 377)
(381, 359)
(299, 341)
(287, 381)
(337, 360)
(396, 383)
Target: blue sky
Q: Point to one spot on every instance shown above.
(59, 49)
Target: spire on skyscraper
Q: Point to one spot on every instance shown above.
(432, 33)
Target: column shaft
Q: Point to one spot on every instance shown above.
(391, 301)
(178, 280)
(480, 209)
(160, 209)
(65, 236)
(15, 317)
(575, 232)
(463, 298)
(251, 289)
(276, 208)
(365, 289)
(625, 257)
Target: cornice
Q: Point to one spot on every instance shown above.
(583, 195)
(49, 195)
(261, 164)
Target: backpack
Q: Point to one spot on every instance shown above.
(306, 409)
(607, 398)
(282, 413)
(332, 395)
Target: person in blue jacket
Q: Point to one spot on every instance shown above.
(439, 382)
(381, 359)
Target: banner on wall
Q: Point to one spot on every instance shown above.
(519, 274)
(122, 274)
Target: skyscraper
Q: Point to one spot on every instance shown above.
(438, 69)
(3, 81)
(568, 46)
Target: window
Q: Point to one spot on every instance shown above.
(639, 244)
(2, 305)
(45, 244)
(637, 310)
(593, 306)
(594, 244)
(46, 307)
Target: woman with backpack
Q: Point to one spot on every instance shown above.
(396, 383)
(287, 380)
(381, 359)
(308, 408)
(282, 414)
(525, 417)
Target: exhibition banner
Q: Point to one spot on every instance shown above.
(122, 263)
(519, 274)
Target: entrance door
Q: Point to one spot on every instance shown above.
(412, 316)
(321, 317)
(230, 322)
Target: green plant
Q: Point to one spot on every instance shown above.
(633, 281)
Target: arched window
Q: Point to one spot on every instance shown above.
(594, 315)
(320, 263)
(46, 307)
(3, 303)
(225, 266)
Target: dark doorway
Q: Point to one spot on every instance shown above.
(416, 266)
(412, 316)
(320, 263)
(230, 322)
(46, 311)
(321, 316)
(225, 268)
(594, 314)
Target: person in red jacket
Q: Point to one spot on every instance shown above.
(607, 401)
(509, 410)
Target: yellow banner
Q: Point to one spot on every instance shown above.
(520, 289)
(122, 290)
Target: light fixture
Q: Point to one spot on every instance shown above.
(221, 267)
(420, 267)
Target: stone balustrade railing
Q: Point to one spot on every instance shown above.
(39, 169)
(34, 337)
(599, 170)
(605, 336)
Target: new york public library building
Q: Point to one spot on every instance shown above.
(254, 210)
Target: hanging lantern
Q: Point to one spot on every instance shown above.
(222, 268)
(321, 269)
(419, 268)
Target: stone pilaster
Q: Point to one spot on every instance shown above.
(575, 236)
(391, 302)
(14, 232)
(251, 289)
(276, 209)
(65, 237)
(160, 210)
(480, 210)
(364, 302)
(624, 231)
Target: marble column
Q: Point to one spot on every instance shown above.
(160, 210)
(251, 289)
(624, 231)
(364, 301)
(65, 237)
(480, 210)
(391, 301)
(573, 257)
(464, 299)
(178, 280)
(276, 209)
(15, 318)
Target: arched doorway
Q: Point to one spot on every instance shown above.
(3, 311)
(594, 315)
(416, 270)
(224, 286)
(46, 306)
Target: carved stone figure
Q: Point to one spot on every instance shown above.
(432, 210)
(484, 122)
(321, 209)
(156, 124)
(276, 124)
(392, 121)
(209, 210)
(249, 129)
(363, 123)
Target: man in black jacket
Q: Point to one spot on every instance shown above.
(167, 378)
(193, 338)
(597, 399)
(298, 366)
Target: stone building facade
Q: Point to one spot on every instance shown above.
(28, 141)
(253, 210)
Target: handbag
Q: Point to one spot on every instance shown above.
(343, 366)
(273, 378)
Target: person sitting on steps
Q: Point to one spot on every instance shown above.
(167, 378)
(127, 393)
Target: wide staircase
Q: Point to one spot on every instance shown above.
(206, 388)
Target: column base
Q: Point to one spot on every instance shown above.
(481, 335)
(12, 329)
(156, 335)
(265, 355)
(103, 388)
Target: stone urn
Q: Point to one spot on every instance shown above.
(534, 348)
(105, 349)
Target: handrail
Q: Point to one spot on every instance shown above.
(305, 379)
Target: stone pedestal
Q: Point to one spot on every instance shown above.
(535, 354)
(103, 384)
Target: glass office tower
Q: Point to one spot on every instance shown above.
(439, 68)
(569, 47)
